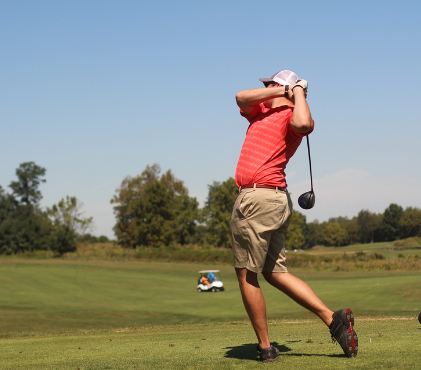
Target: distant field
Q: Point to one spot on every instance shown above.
(387, 249)
(45, 296)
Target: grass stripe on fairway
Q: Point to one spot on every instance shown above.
(54, 295)
(304, 344)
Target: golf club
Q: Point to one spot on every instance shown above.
(306, 200)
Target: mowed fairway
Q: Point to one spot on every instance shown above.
(58, 314)
(60, 295)
(303, 344)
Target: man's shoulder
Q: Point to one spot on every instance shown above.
(257, 109)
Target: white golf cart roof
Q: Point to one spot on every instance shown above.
(206, 271)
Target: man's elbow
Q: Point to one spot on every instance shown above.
(240, 98)
(304, 126)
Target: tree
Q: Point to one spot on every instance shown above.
(334, 234)
(68, 212)
(8, 205)
(126, 211)
(63, 239)
(89, 238)
(390, 226)
(351, 227)
(313, 234)
(217, 213)
(184, 209)
(295, 238)
(154, 210)
(23, 226)
(27, 229)
(410, 222)
(368, 226)
(69, 224)
(29, 179)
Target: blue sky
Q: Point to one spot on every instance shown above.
(95, 91)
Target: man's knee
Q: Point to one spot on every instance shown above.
(268, 275)
(275, 278)
(247, 276)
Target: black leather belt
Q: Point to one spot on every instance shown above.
(261, 186)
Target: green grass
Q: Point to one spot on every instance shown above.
(304, 344)
(402, 255)
(388, 249)
(82, 314)
(56, 295)
(51, 295)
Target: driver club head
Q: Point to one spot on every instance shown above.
(306, 200)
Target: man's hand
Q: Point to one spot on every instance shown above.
(302, 121)
(301, 83)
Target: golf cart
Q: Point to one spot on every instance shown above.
(210, 281)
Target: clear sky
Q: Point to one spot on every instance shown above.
(96, 90)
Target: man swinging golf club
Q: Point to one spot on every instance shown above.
(279, 117)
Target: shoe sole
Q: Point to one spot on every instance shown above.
(352, 339)
(271, 360)
(261, 355)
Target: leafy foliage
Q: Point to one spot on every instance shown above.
(217, 213)
(30, 176)
(410, 222)
(25, 227)
(63, 239)
(67, 212)
(89, 238)
(295, 235)
(390, 226)
(334, 234)
(368, 225)
(154, 210)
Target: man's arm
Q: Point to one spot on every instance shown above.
(302, 121)
(248, 99)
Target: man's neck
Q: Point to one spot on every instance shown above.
(278, 102)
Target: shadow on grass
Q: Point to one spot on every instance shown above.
(314, 355)
(248, 352)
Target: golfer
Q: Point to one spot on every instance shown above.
(279, 117)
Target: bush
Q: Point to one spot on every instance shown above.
(63, 240)
(185, 254)
(408, 243)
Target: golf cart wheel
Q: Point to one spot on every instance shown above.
(199, 290)
(213, 290)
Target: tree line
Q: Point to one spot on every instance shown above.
(154, 209)
(26, 227)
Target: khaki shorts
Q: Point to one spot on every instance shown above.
(259, 220)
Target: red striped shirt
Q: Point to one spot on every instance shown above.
(269, 144)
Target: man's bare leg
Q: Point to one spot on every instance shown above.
(254, 303)
(300, 292)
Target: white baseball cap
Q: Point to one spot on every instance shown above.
(283, 77)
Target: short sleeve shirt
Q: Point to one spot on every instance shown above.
(269, 144)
